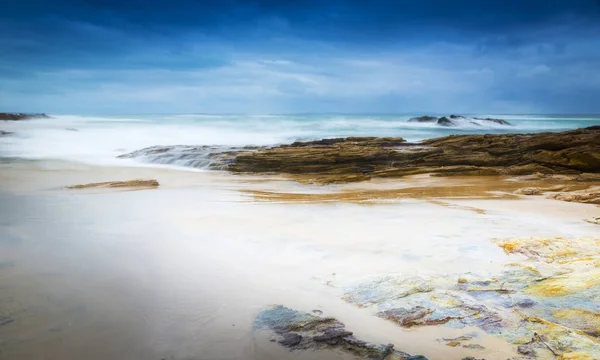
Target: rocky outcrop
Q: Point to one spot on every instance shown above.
(134, 184)
(457, 120)
(363, 158)
(545, 303)
(302, 331)
(21, 116)
(423, 119)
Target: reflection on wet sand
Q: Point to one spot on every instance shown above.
(428, 188)
(183, 271)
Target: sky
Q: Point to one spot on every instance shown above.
(300, 56)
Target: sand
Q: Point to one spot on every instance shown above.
(180, 271)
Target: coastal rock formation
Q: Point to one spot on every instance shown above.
(586, 197)
(21, 116)
(457, 120)
(363, 158)
(135, 184)
(302, 331)
(546, 305)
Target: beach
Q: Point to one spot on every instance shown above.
(182, 270)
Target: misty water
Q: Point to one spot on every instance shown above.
(180, 272)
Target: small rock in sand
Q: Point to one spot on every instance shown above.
(137, 184)
(529, 191)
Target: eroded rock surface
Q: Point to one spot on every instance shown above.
(546, 303)
(136, 184)
(21, 116)
(303, 331)
(352, 159)
(357, 159)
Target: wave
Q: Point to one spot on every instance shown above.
(101, 139)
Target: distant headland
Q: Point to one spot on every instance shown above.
(21, 116)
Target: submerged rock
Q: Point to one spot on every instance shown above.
(457, 120)
(303, 331)
(358, 159)
(425, 119)
(137, 184)
(21, 116)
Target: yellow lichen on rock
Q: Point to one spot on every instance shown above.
(576, 356)
(555, 250)
(565, 284)
(584, 320)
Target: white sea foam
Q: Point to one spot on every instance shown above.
(100, 139)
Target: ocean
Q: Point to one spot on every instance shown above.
(99, 140)
(180, 272)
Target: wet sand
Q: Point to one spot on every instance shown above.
(180, 272)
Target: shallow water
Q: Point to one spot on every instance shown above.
(180, 272)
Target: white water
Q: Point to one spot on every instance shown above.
(99, 140)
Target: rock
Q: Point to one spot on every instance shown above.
(21, 116)
(304, 331)
(137, 184)
(578, 196)
(457, 120)
(444, 121)
(425, 119)
(529, 191)
(473, 347)
(595, 221)
(290, 340)
(358, 159)
(547, 302)
(5, 133)
(526, 350)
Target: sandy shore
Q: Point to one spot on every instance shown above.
(181, 271)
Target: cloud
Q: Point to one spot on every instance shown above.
(273, 56)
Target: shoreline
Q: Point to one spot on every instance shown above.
(314, 240)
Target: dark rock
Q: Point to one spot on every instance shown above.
(6, 321)
(303, 331)
(5, 133)
(526, 350)
(291, 339)
(525, 303)
(447, 121)
(426, 119)
(444, 121)
(21, 116)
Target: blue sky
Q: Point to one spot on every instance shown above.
(266, 56)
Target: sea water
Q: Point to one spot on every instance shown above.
(100, 139)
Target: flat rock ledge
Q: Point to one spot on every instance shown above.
(21, 116)
(134, 184)
(354, 159)
(303, 331)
